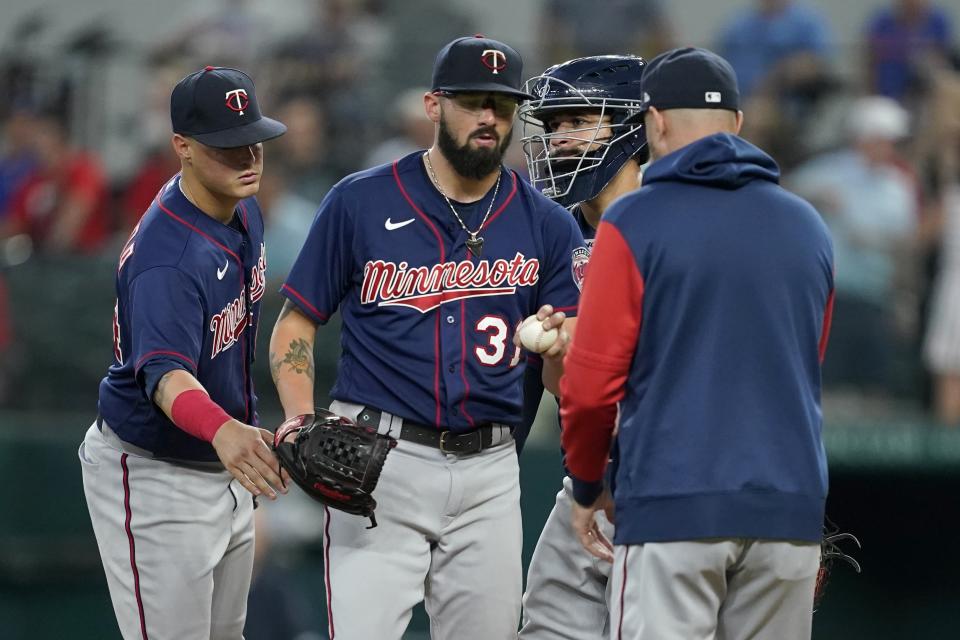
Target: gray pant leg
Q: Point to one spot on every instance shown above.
(449, 533)
(713, 590)
(770, 597)
(567, 588)
(476, 576)
(231, 577)
(669, 591)
(166, 533)
(374, 577)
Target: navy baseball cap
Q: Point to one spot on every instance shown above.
(476, 63)
(689, 78)
(218, 107)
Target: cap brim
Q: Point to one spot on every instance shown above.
(486, 86)
(260, 131)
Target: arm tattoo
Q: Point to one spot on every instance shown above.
(275, 365)
(299, 358)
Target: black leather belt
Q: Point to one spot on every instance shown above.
(447, 441)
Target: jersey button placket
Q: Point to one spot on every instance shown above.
(451, 355)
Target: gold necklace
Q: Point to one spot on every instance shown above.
(474, 242)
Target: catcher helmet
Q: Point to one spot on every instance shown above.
(607, 85)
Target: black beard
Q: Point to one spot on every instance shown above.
(474, 164)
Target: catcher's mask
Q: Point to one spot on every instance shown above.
(606, 85)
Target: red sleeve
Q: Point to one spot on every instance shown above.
(598, 363)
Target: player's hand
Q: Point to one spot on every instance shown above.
(267, 436)
(587, 530)
(551, 320)
(290, 437)
(244, 451)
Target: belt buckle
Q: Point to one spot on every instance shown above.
(443, 441)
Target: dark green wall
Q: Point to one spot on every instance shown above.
(52, 585)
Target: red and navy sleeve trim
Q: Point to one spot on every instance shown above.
(302, 303)
(168, 354)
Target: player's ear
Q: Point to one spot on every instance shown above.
(182, 147)
(655, 125)
(431, 104)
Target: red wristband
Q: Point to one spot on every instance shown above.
(194, 412)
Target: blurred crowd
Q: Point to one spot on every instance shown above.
(877, 151)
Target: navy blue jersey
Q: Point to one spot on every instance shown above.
(533, 376)
(589, 231)
(188, 292)
(427, 328)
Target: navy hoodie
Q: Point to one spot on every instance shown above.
(704, 318)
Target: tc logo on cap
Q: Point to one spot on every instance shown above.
(493, 59)
(712, 96)
(237, 100)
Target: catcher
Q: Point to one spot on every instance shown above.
(584, 144)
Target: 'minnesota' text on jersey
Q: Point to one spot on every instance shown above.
(428, 327)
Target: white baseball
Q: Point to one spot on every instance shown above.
(534, 337)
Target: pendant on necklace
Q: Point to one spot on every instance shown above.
(475, 244)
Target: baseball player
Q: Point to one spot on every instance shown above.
(433, 261)
(584, 144)
(169, 462)
(703, 323)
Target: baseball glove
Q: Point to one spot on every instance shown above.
(830, 552)
(333, 460)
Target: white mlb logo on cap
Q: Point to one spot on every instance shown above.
(712, 96)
